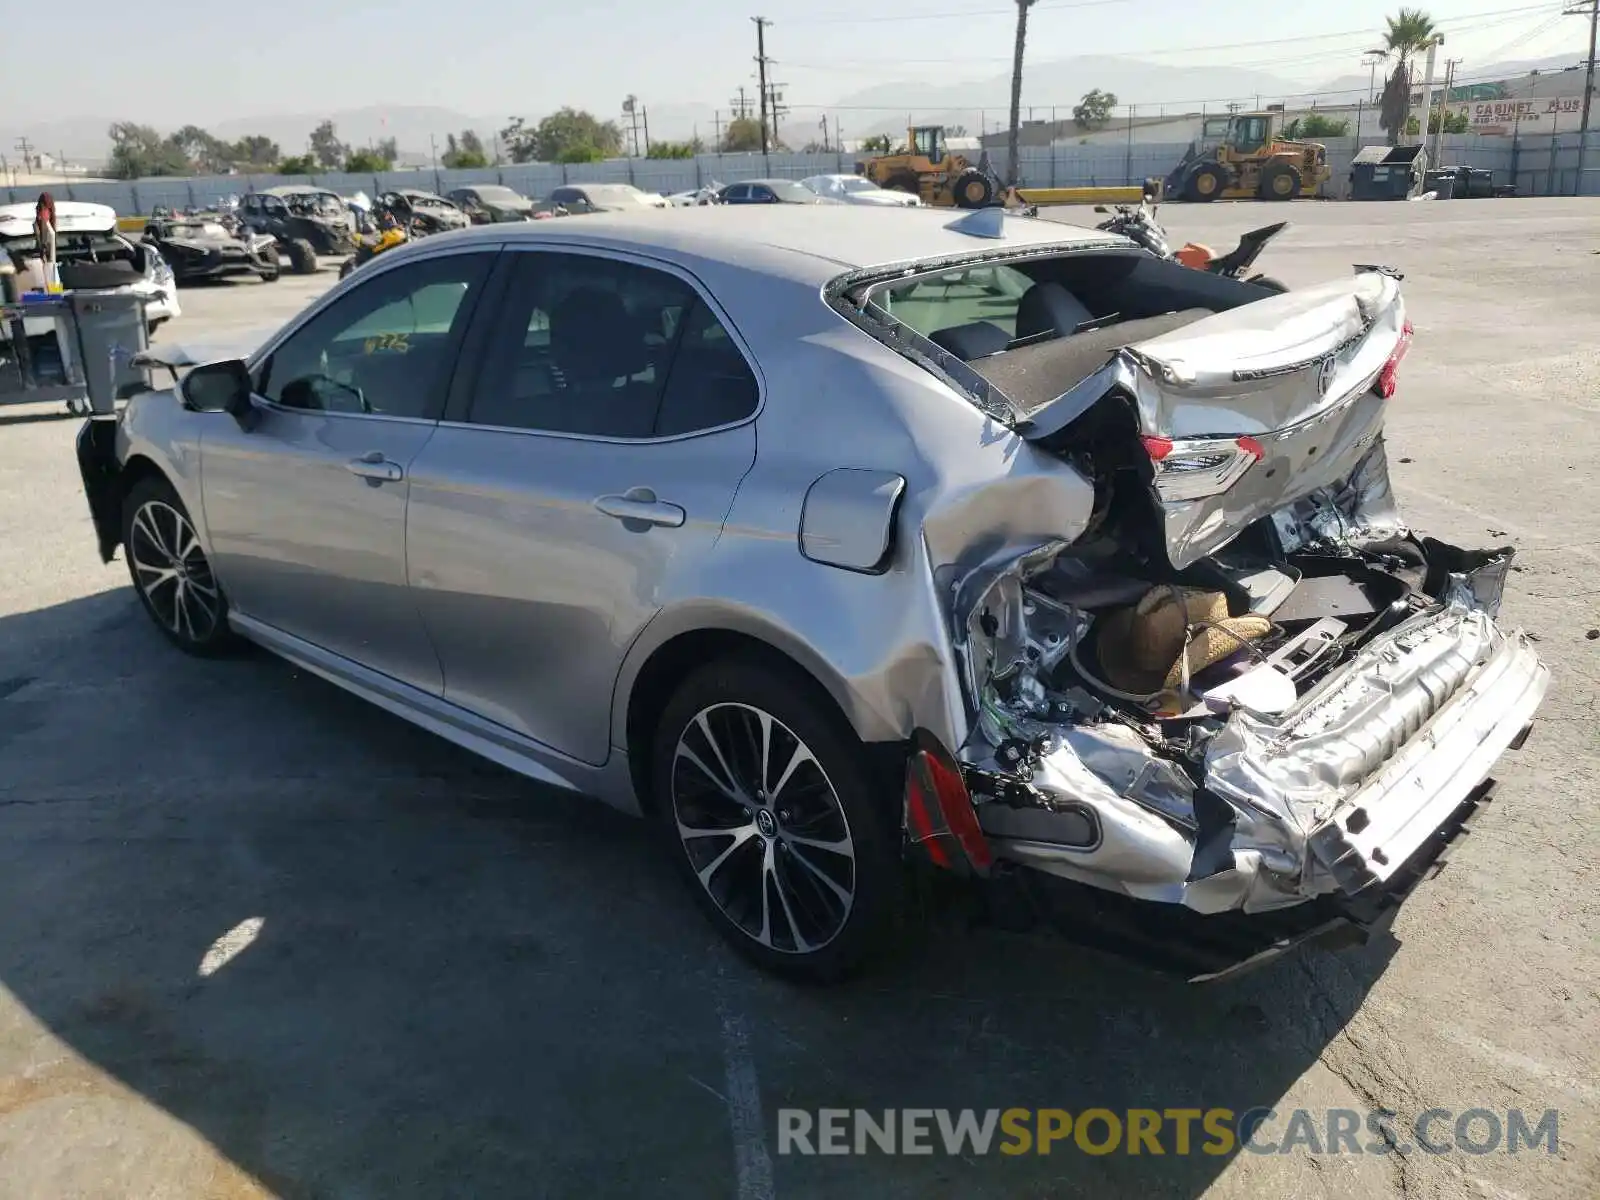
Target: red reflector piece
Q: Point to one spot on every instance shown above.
(1387, 377)
(940, 820)
(1252, 447)
(1157, 447)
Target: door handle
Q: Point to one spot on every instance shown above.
(640, 504)
(374, 467)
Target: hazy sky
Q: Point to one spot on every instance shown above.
(201, 61)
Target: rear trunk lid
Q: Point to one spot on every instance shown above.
(1243, 412)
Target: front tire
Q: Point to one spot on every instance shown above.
(768, 803)
(171, 572)
(1206, 184)
(302, 257)
(973, 189)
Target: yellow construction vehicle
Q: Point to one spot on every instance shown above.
(1243, 157)
(927, 168)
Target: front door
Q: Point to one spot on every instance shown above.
(306, 512)
(579, 487)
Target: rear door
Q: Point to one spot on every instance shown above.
(575, 483)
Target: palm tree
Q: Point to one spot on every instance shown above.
(1410, 32)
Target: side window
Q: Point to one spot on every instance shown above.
(761, 195)
(384, 348)
(737, 192)
(710, 382)
(583, 345)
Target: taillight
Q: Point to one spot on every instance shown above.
(1386, 377)
(1194, 468)
(940, 821)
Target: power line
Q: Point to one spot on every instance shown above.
(963, 14)
(1451, 25)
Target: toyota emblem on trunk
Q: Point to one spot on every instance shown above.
(1325, 375)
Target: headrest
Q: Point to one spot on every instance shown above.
(1049, 306)
(593, 337)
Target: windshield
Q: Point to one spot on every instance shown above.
(968, 296)
(613, 193)
(315, 204)
(859, 185)
(499, 195)
(199, 229)
(429, 202)
(789, 191)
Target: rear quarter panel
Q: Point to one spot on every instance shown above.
(835, 397)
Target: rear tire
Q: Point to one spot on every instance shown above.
(904, 181)
(773, 815)
(302, 257)
(170, 571)
(1206, 184)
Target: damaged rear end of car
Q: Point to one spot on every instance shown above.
(1243, 706)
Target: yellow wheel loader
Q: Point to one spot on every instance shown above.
(1242, 157)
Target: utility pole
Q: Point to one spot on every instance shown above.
(25, 148)
(1592, 11)
(824, 133)
(775, 107)
(716, 130)
(644, 115)
(1444, 107)
(761, 67)
(1016, 91)
(741, 106)
(1427, 92)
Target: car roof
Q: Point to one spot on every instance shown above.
(296, 189)
(766, 181)
(802, 242)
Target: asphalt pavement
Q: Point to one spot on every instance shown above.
(260, 939)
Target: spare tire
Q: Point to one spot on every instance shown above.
(91, 276)
(973, 189)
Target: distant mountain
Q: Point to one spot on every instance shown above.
(1057, 84)
(1347, 89)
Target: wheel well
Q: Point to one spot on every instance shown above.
(134, 471)
(675, 660)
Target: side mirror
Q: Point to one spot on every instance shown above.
(221, 387)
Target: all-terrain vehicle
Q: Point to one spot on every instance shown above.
(306, 221)
(201, 246)
(390, 234)
(419, 212)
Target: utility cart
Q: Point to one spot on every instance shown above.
(72, 347)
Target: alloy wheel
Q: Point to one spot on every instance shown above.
(763, 828)
(172, 572)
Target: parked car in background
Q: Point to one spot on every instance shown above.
(490, 203)
(769, 191)
(579, 198)
(420, 212)
(852, 189)
(92, 256)
(306, 221)
(990, 547)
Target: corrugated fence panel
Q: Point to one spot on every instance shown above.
(1539, 171)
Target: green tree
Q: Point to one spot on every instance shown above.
(299, 164)
(372, 160)
(1453, 123)
(1315, 125)
(569, 135)
(326, 147)
(1409, 32)
(463, 153)
(255, 152)
(140, 152)
(741, 135)
(878, 143)
(1094, 110)
(205, 154)
(676, 149)
(1394, 105)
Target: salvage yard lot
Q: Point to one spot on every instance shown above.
(461, 984)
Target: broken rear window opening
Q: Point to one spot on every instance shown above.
(1238, 683)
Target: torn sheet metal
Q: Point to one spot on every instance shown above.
(1359, 511)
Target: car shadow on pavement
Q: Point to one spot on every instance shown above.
(359, 962)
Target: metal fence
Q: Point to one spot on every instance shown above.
(1547, 165)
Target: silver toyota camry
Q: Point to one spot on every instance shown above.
(877, 557)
